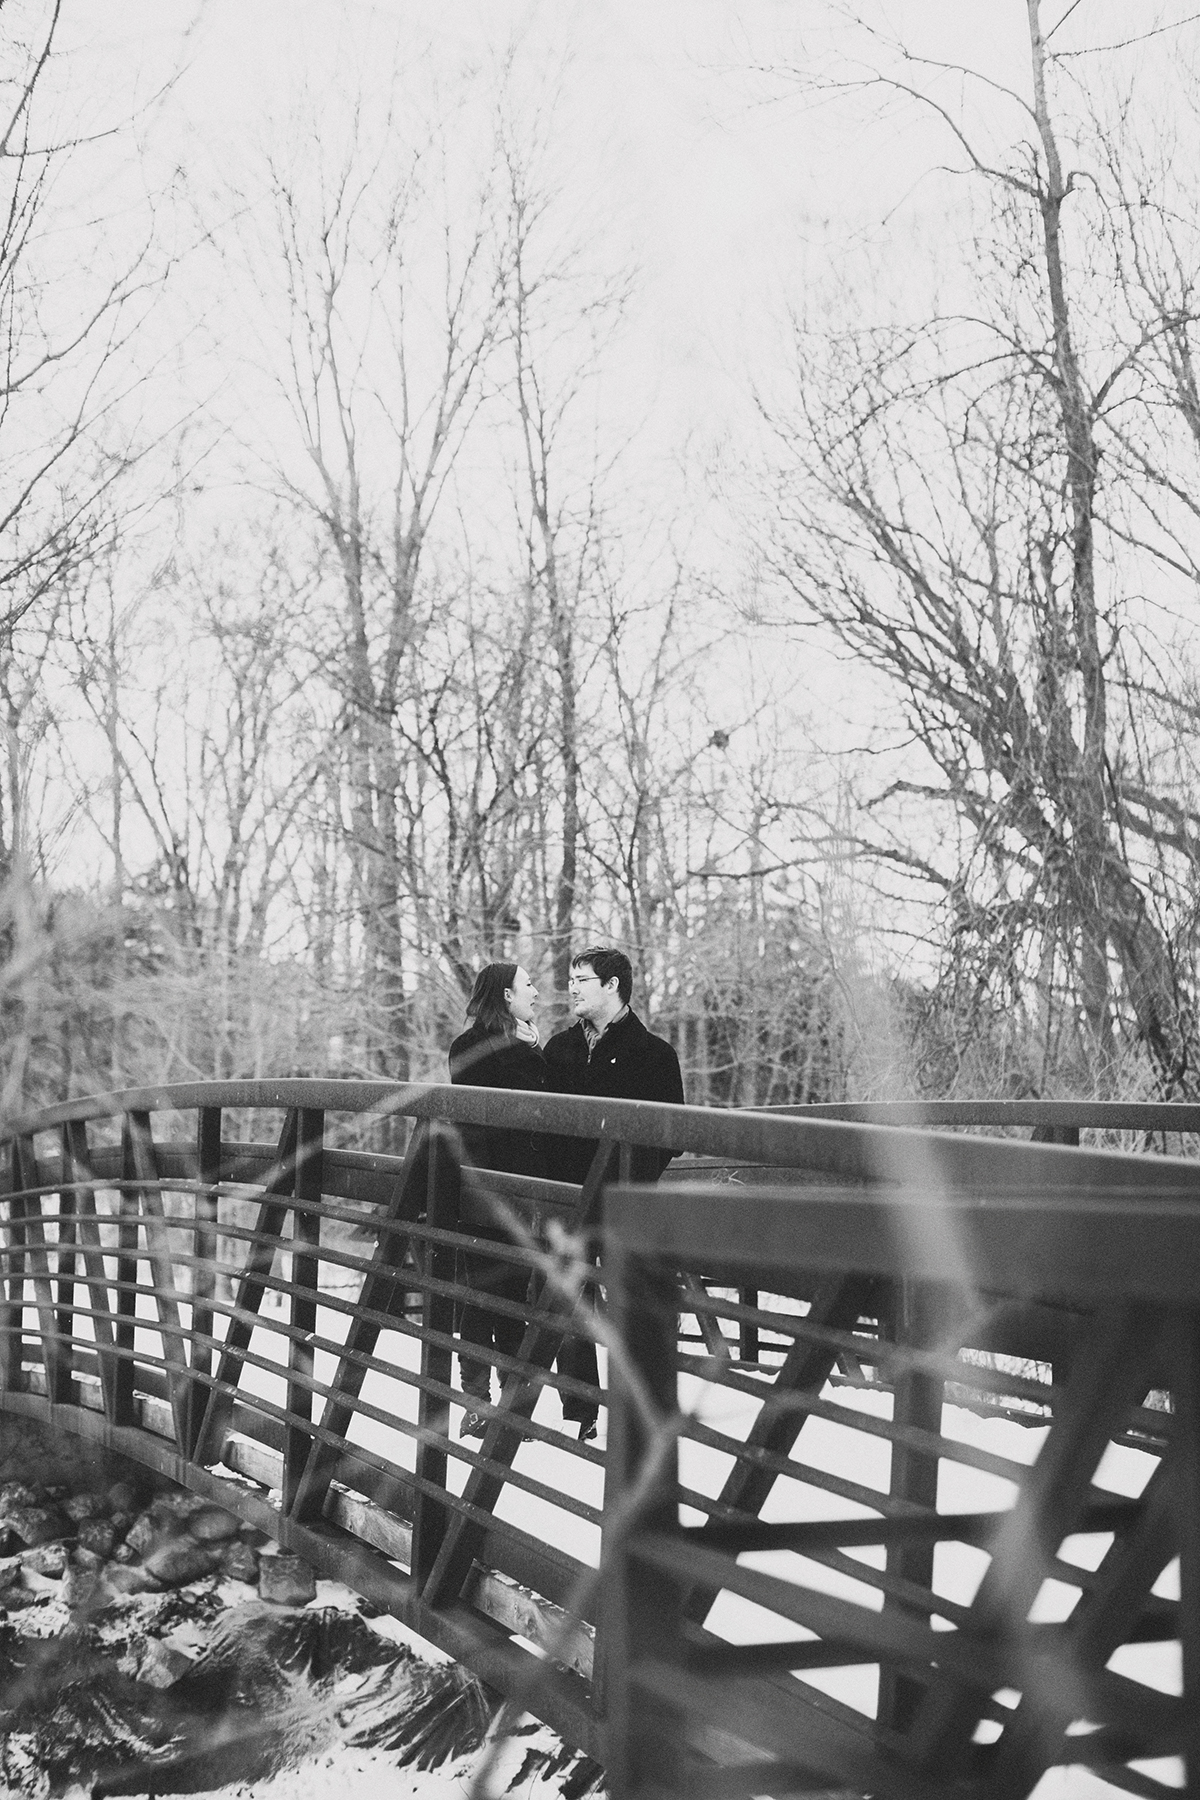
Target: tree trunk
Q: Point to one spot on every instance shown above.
(1089, 808)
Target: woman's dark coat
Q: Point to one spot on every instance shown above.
(479, 1059)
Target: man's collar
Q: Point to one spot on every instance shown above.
(594, 1033)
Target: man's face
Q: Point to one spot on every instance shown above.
(592, 999)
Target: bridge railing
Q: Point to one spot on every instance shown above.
(274, 1324)
(937, 1605)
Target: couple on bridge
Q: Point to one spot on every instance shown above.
(606, 1053)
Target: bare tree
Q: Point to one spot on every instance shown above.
(946, 507)
(383, 371)
(560, 315)
(74, 295)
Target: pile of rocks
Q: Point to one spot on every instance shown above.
(136, 1655)
(90, 1549)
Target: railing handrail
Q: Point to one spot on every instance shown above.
(1065, 1246)
(1181, 1116)
(830, 1146)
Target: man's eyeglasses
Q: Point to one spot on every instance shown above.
(578, 980)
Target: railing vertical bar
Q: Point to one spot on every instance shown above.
(546, 1336)
(272, 1214)
(68, 1264)
(306, 1254)
(158, 1255)
(208, 1163)
(443, 1197)
(377, 1296)
(77, 1162)
(748, 1334)
(12, 1309)
(53, 1361)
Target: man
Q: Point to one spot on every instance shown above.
(608, 1054)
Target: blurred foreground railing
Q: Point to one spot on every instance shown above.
(957, 1605)
(861, 1314)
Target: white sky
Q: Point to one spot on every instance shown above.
(735, 195)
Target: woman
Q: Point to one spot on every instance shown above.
(499, 1049)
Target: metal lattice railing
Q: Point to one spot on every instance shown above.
(275, 1324)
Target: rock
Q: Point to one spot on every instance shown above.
(120, 1522)
(10, 1571)
(41, 1584)
(176, 1506)
(212, 1524)
(83, 1558)
(239, 1562)
(46, 1559)
(145, 1533)
(84, 1589)
(97, 1535)
(163, 1664)
(34, 1524)
(83, 1506)
(16, 1599)
(17, 1493)
(123, 1554)
(286, 1581)
(180, 1560)
(130, 1578)
(122, 1498)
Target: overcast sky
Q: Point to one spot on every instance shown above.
(735, 195)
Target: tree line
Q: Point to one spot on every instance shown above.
(377, 658)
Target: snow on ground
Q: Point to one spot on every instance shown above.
(374, 1775)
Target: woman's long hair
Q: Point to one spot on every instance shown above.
(487, 1005)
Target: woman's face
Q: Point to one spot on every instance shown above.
(522, 998)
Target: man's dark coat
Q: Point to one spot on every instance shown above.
(627, 1063)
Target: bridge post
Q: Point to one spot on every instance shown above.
(208, 1162)
(1055, 1134)
(443, 1192)
(642, 1620)
(918, 1312)
(306, 1251)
